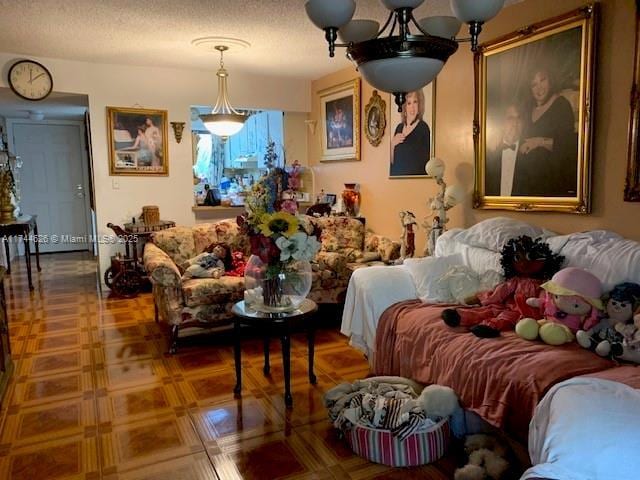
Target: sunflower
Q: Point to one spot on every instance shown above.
(279, 223)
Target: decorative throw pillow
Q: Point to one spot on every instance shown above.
(426, 272)
(205, 265)
(493, 233)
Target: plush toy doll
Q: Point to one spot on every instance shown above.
(631, 340)
(526, 264)
(211, 263)
(571, 302)
(607, 335)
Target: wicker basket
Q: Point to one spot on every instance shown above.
(150, 214)
(380, 446)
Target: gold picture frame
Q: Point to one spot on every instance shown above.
(137, 141)
(375, 119)
(340, 121)
(632, 184)
(533, 116)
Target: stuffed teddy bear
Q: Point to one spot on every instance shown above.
(607, 336)
(526, 264)
(571, 302)
(486, 459)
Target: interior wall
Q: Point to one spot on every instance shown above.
(383, 198)
(118, 198)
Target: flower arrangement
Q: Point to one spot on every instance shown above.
(280, 239)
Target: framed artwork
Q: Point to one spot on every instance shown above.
(532, 131)
(413, 134)
(137, 141)
(340, 117)
(375, 119)
(632, 186)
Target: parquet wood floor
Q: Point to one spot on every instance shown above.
(95, 395)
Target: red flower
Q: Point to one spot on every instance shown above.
(265, 248)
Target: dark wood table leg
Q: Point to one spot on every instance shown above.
(311, 338)
(267, 368)
(5, 240)
(237, 353)
(27, 257)
(285, 339)
(36, 245)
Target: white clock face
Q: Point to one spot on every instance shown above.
(30, 80)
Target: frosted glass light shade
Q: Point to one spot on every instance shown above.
(476, 10)
(223, 125)
(435, 168)
(330, 13)
(358, 31)
(394, 4)
(441, 26)
(400, 74)
(453, 195)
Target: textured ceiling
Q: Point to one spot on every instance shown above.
(159, 32)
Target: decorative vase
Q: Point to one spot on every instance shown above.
(351, 199)
(279, 287)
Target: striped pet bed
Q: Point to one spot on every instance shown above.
(380, 446)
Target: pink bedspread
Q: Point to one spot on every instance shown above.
(500, 379)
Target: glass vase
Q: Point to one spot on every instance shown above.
(278, 287)
(351, 199)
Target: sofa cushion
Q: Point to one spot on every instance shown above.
(222, 231)
(177, 242)
(340, 233)
(203, 291)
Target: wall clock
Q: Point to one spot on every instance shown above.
(30, 80)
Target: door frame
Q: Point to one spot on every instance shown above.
(89, 214)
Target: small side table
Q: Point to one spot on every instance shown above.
(22, 227)
(270, 323)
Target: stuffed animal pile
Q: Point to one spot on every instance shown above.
(526, 264)
(487, 459)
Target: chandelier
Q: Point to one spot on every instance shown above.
(223, 120)
(400, 61)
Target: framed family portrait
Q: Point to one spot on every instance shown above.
(375, 119)
(413, 134)
(632, 186)
(340, 117)
(532, 132)
(137, 141)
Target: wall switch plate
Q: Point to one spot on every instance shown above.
(115, 184)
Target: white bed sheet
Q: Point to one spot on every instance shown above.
(586, 429)
(370, 292)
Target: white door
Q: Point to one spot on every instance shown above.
(53, 184)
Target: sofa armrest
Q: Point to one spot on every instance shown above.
(388, 249)
(160, 267)
(333, 261)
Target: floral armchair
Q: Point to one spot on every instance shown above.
(206, 302)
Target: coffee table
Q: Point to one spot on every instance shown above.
(274, 324)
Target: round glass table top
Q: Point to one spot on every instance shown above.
(241, 309)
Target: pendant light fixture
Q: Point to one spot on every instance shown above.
(224, 120)
(400, 61)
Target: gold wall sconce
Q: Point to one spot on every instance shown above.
(178, 128)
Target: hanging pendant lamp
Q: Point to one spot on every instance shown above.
(224, 120)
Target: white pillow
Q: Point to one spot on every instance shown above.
(427, 271)
(493, 233)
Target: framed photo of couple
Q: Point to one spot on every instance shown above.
(532, 132)
(340, 119)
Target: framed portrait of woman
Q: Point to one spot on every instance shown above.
(340, 121)
(137, 141)
(413, 134)
(533, 112)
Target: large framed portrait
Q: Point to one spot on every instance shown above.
(137, 141)
(632, 186)
(532, 132)
(340, 114)
(413, 134)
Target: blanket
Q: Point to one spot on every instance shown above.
(501, 379)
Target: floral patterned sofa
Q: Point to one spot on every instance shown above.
(207, 302)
